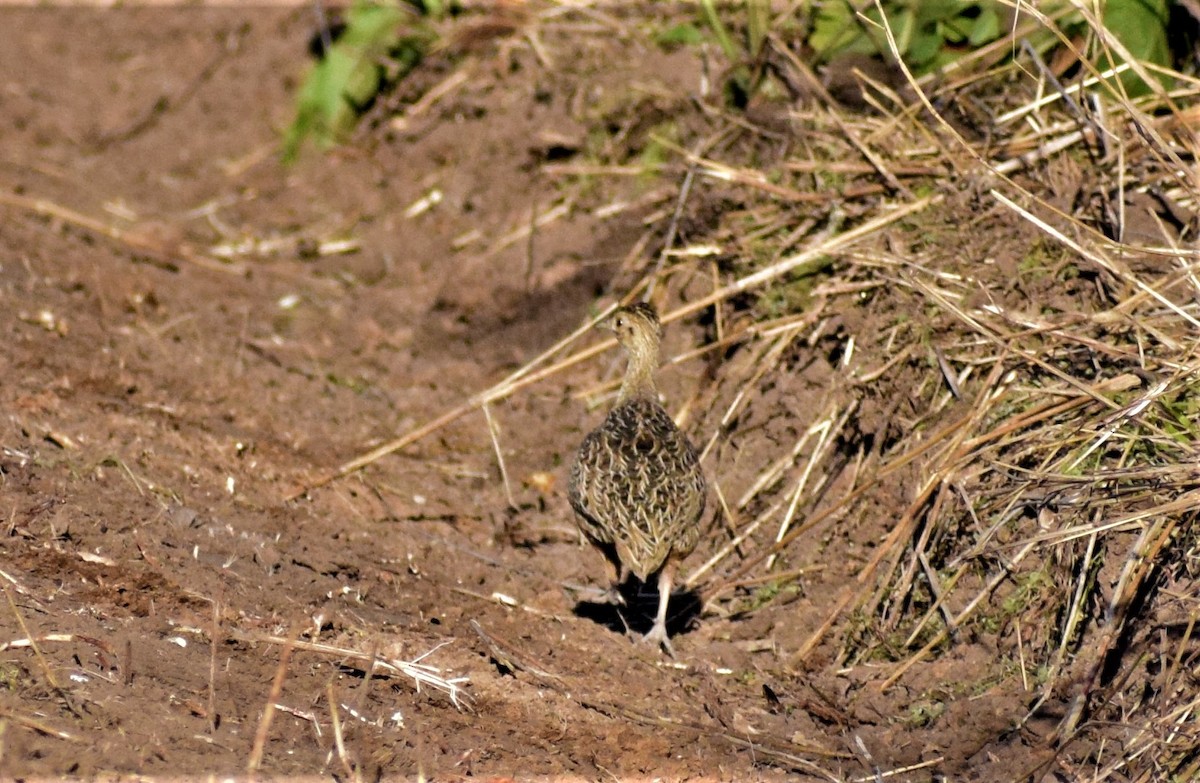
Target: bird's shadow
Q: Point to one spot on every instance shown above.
(641, 604)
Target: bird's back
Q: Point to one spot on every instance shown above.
(636, 485)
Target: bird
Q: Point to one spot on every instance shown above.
(636, 485)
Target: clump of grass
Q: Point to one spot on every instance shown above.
(1053, 506)
(1048, 445)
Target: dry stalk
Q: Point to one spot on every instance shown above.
(136, 241)
(765, 359)
(212, 667)
(40, 726)
(268, 713)
(494, 433)
(1138, 565)
(419, 673)
(47, 671)
(693, 578)
(338, 741)
(1093, 254)
(959, 619)
(826, 429)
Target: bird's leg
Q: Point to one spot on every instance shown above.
(612, 593)
(659, 632)
(613, 596)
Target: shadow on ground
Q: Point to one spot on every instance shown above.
(636, 616)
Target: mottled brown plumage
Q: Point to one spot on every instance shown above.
(636, 484)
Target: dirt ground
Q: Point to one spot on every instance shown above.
(161, 405)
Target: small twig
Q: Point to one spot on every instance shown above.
(827, 430)
(536, 221)
(531, 245)
(1138, 565)
(672, 229)
(21, 589)
(459, 77)
(37, 653)
(694, 577)
(728, 516)
(127, 663)
(212, 666)
(57, 637)
(522, 377)
(944, 633)
(421, 674)
(510, 659)
(136, 241)
(264, 723)
(779, 577)
(508, 601)
(360, 701)
(229, 45)
(39, 726)
(494, 433)
(338, 740)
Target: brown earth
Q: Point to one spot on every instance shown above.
(161, 406)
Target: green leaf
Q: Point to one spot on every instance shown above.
(938, 10)
(923, 49)
(758, 25)
(680, 35)
(987, 26)
(435, 9)
(1141, 26)
(904, 29)
(950, 32)
(835, 30)
(714, 21)
(928, 33)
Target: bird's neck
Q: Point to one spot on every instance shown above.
(639, 377)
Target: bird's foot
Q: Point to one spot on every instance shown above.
(658, 635)
(600, 595)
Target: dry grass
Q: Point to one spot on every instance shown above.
(1052, 451)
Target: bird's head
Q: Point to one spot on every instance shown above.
(637, 328)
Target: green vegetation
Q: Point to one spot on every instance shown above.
(10, 676)
(931, 35)
(744, 79)
(1141, 27)
(372, 51)
(923, 713)
(1028, 592)
(927, 34)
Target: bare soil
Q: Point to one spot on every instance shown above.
(161, 405)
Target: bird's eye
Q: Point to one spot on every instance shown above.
(620, 321)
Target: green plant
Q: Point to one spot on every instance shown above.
(930, 35)
(1141, 27)
(684, 34)
(10, 676)
(352, 71)
(924, 712)
(927, 34)
(747, 74)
